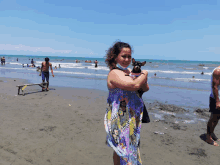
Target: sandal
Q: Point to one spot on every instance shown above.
(213, 143)
(214, 137)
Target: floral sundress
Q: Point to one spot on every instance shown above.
(123, 124)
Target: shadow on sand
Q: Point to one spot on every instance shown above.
(39, 91)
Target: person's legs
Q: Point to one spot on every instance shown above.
(43, 79)
(47, 85)
(47, 79)
(213, 121)
(116, 159)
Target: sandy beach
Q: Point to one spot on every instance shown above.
(65, 126)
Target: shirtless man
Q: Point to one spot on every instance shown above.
(45, 72)
(214, 105)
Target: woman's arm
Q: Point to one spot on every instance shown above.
(119, 80)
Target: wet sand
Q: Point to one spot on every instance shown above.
(65, 127)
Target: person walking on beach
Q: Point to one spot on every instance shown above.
(124, 106)
(45, 72)
(214, 105)
(96, 63)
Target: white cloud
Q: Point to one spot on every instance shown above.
(32, 49)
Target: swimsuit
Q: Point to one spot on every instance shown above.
(45, 75)
(123, 124)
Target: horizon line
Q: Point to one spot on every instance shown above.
(104, 58)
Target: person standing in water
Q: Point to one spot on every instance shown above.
(96, 63)
(3, 60)
(45, 72)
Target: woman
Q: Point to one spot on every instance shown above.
(96, 63)
(124, 106)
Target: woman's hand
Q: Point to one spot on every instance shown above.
(144, 72)
(145, 87)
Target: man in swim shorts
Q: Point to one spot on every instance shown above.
(45, 72)
(214, 105)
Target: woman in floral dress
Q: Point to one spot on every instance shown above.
(124, 106)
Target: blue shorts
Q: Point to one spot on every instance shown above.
(45, 75)
(212, 106)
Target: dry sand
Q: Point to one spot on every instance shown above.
(65, 127)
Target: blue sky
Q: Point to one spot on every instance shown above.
(159, 29)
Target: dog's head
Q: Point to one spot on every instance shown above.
(137, 66)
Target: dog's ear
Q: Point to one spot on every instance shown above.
(133, 60)
(143, 63)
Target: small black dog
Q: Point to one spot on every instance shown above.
(137, 66)
(136, 71)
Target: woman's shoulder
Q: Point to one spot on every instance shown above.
(114, 71)
(117, 72)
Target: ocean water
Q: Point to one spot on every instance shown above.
(173, 83)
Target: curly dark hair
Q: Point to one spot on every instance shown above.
(113, 53)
